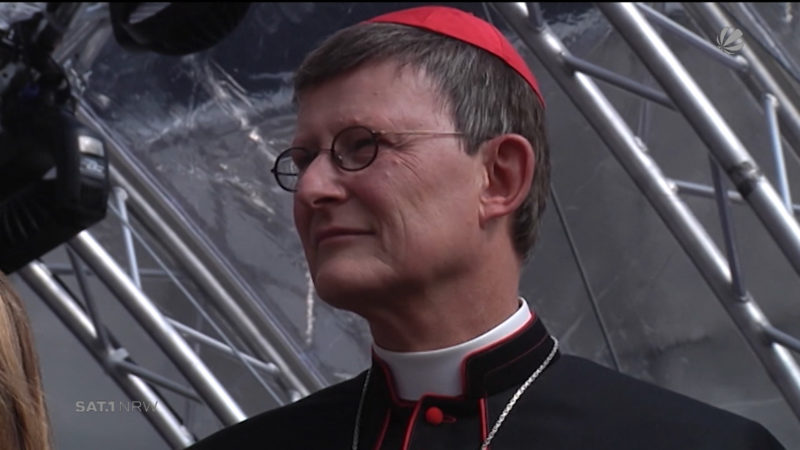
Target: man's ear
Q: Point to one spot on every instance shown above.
(508, 163)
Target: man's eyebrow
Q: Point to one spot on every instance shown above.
(312, 140)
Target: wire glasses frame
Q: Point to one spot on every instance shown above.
(353, 149)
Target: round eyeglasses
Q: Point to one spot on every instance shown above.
(354, 148)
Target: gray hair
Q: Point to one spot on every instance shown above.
(486, 97)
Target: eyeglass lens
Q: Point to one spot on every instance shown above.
(354, 148)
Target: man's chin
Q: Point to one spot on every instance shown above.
(344, 290)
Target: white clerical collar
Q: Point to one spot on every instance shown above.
(439, 371)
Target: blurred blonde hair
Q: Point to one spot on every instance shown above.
(23, 413)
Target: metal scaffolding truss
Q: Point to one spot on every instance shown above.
(283, 380)
(682, 94)
(246, 331)
(243, 329)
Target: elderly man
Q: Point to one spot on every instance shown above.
(419, 170)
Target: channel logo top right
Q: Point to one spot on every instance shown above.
(729, 40)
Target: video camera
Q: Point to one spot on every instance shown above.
(54, 178)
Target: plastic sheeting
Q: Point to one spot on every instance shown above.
(208, 126)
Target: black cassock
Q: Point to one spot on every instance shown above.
(574, 404)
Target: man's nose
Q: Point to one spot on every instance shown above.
(320, 183)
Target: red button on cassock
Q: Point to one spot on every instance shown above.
(434, 415)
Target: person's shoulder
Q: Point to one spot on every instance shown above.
(649, 410)
(296, 425)
(640, 396)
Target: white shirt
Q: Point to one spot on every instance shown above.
(439, 371)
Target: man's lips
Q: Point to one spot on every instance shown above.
(327, 233)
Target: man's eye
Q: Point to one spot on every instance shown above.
(302, 159)
(362, 145)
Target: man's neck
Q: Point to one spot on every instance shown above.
(451, 306)
(439, 325)
(439, 371)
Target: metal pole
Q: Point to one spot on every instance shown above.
(758, 79)
(121, 196)
(702, 190)
(737, 63)
(709, 125)
(91, 306)
(698, 245)
(728, 234)
(260, 338)
(208, 319)
(782, 338)
(536, 17)
(62, 269)
(173, 345)
(86, 36)
(61, 303)
(153, 378)
(263, 335)
(618, 80)
(201, 338)
(770, 110)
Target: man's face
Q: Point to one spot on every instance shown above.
(406, 223)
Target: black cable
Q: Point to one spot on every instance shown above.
(584, 277)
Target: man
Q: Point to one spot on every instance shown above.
(419, 170)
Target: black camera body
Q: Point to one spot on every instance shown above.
(54, 178)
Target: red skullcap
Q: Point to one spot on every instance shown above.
(465, 27)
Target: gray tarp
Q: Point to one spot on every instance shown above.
(208, 126)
